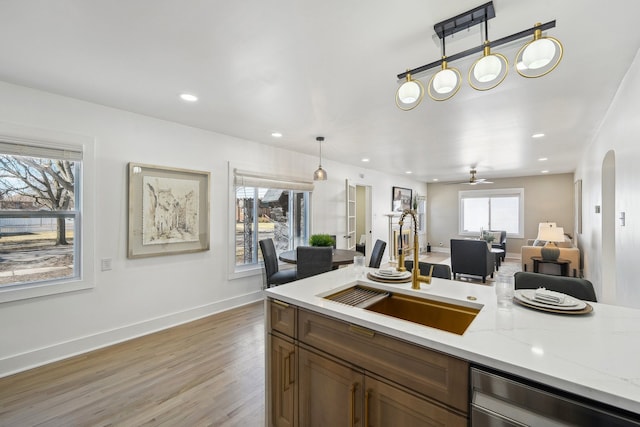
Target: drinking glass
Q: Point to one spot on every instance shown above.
(358, 263)
(504, 290)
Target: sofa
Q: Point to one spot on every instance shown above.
(567, 251)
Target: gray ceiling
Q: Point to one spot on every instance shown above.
(329, 68)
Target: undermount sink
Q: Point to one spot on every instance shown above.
(441, 315)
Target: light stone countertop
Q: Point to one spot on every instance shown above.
(595, 355)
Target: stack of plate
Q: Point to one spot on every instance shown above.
(391, 274)
(565, 304)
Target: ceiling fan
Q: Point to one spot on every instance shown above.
(473, 180)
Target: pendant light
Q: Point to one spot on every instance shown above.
(446, 82)
(489, 70)
(536, 58)
(409, 94)
(540, 56)
(320, 174)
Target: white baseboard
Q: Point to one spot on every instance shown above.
(42, 356)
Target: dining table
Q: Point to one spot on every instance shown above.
(339, 257)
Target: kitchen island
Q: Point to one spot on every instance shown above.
(593, 355)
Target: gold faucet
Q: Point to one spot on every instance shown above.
(416, 277)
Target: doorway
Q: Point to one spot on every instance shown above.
(363, 217)
(608, 277)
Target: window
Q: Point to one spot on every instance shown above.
(268, 207)
(41, 219)
(492, 210)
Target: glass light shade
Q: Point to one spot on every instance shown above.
(445, 81)
(538, 54)
(539, 57)
(320, 174)
(488, 71)
(487, 68)
(409, 92)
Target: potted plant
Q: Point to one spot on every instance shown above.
(321, 240)
(488, 237)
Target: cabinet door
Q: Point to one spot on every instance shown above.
(282, 383)
(330, 393)
(386, 405)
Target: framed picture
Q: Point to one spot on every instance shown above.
(168, 211)
(400, 199)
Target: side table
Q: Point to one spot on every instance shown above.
(497, 253)
(563, 263)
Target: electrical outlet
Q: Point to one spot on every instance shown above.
(105, 264)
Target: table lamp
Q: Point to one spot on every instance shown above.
(551, 234)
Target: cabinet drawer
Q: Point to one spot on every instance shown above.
(282, 317)
(430, 373)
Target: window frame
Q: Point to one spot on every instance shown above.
(40, 141)
(251, 178)
(468, 194)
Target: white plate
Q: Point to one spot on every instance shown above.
(570, 303)
(394, 276)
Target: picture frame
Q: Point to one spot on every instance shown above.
(401, 199)
(168, 211)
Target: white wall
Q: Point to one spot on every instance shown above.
(620, 132)
(546, 198)
(143, 295)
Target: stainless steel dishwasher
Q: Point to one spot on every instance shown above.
(498, 400)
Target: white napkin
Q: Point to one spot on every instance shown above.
(543, 295)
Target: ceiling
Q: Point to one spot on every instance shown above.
(329, 68)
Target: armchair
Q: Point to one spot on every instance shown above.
(472, 257)
(500, 241)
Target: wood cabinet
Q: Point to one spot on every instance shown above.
(335, 373)
(388, 405)
(330, 392)
(283, 384)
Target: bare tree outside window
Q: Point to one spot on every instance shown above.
(37, 222)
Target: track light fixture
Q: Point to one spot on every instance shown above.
(537, 58)
(320, 174)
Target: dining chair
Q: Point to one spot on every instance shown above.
(442, 271)
(312, 260)
(273, 274)
(577, 288)
(377, 253)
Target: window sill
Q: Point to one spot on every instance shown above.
(31, 290)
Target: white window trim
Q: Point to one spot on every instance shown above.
(60, 140)
(254, 178)
(489, 193)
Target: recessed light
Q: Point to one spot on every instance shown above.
(365, 160)
(544, 171)
(276, 134)
(435, 180)
(537, 135)
(543, 159)
(188, 97)
(408, 172)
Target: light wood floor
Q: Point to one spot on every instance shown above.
(205, 373)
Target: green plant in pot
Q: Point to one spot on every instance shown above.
(321, 240)
(488, 237)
